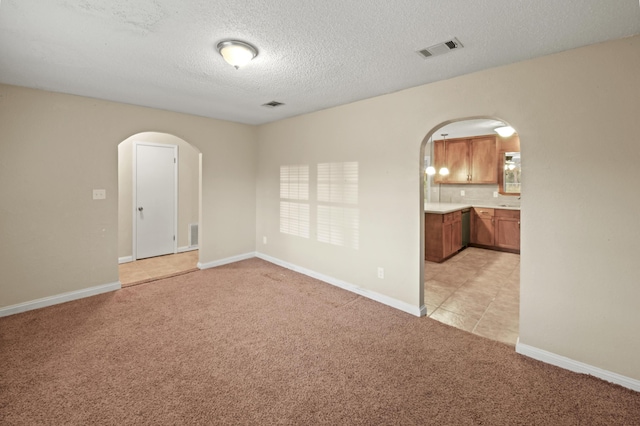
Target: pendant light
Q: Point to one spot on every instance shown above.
(444, 171)
(430, 171)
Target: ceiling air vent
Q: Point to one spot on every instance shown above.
(272, 104)
(440, 48)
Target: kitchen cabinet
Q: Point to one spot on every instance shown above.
(497, 229)
(469, 160)
(507, 229)
(482, 227)
(443, 235)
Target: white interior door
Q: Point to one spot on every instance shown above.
(155, 199)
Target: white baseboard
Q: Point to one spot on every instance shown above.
(125, 259)
(187, 248)
(59, 298)
(226, 261)
(381, 298)
(576, 366)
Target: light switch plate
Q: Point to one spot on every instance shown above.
(462, 192)
(99, 194)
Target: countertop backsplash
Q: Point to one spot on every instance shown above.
(473, 194)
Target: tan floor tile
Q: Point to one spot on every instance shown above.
(488, 279)
(462, 304)
(462, 322)
(501, 335)
(430, 309)
(476, 290)
(495, 318)
(434, 267)
(475, 262)
(455, 274)
(435, 292)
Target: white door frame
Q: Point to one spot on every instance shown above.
(135, 199)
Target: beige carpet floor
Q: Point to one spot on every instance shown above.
(252, 343)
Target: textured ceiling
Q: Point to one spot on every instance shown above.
(313, 54)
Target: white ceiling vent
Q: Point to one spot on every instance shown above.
(440, 48)
(272, 104)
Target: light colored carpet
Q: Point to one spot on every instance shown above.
(252, 343)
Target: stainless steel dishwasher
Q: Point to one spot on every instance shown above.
(466, 226)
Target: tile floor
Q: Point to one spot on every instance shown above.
(478, 291)
(155, 268)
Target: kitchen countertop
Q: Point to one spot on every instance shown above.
(442, 208)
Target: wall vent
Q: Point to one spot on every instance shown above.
(272, 104)
(440, 48)
(193, 235)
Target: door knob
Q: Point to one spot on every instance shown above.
(139, 209)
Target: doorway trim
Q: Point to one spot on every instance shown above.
(134, 181)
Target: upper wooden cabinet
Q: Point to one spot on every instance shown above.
(469, 160)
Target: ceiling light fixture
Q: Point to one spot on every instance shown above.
(237, 53)
(505, 131)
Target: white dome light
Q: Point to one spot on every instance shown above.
(237, 53)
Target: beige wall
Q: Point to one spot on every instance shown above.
(577, 116)
(576, 113)
(188, 188)
(55, 148)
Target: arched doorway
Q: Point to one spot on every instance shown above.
(471, 262)
(182, 255)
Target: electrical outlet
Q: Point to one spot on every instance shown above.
(495, 194)
(99, 194)
(264, 240)
(380, 272)
(462, 192)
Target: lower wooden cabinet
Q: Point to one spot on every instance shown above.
(507, 229)
(482, 229)
(443, 235)
(496, 229)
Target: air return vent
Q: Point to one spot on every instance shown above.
(272, 104)
(193, 235)
(440, 48)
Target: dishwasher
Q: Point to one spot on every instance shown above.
(466, 227)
